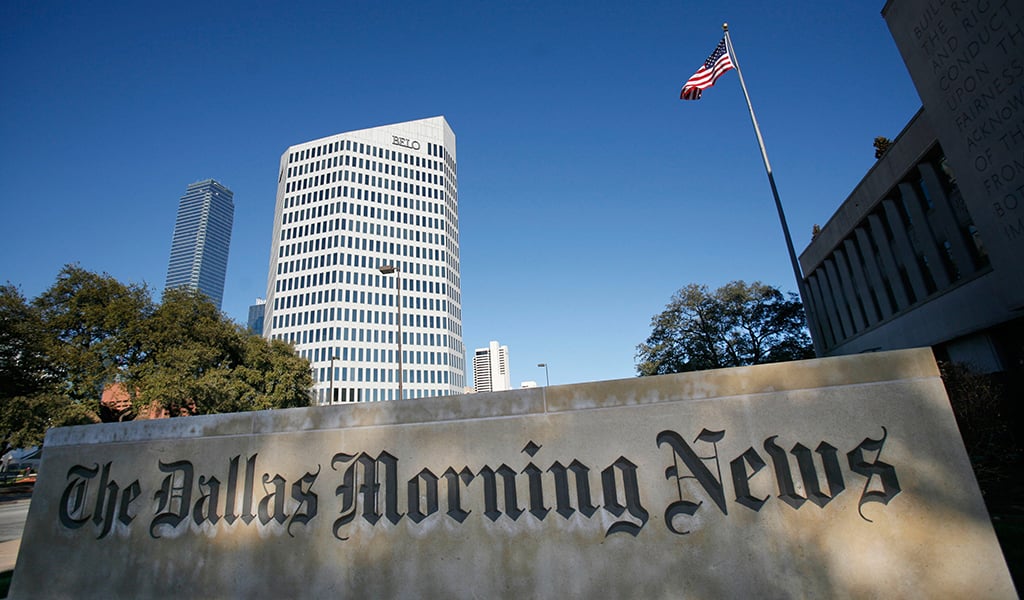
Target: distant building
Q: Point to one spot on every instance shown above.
(358, 214)
(256, 313)
(202, 238)
(490, 369)
(926, 249)
(116, 405)
(527, 384)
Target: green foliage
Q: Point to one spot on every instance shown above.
(29, 403)
(90, 322)
(199, 361)
(25, 419)
(88, 332)
(274, 376)
(737, 324)
(187, 345)
(24, 368)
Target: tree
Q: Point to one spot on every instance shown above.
(738, 324)
(196, 361)
(88, 332)
(272, 376)
(29, 401)
(187, 345)
(25, 419)
(24, 369)
(91, 323)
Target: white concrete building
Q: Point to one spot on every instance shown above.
(926, 250)
(490, 369)
(348, 205)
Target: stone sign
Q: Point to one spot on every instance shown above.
(834, 477)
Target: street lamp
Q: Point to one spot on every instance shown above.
(547, 383)
(388, 270)
(331, 374)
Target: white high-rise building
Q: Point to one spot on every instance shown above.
(348, 205)
(490, 369)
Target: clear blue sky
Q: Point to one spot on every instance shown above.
(588, 191)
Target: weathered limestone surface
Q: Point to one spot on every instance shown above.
(841, 477)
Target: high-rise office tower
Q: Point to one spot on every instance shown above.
(255, 322)
(366, 228)
(490, 369)
(202, 237)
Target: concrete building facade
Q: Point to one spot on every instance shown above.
(366, 229)
(926, 249)
(202, 239)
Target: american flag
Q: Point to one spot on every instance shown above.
(714, 67)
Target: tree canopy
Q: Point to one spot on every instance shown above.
(88, 332)
(738, 324)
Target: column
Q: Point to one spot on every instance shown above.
(860, 281)
(852, 300)
(837, 298)
(874, 275)
(904, 250)
(820, 313)
(887, 259)
(943, 220)
(929, 246)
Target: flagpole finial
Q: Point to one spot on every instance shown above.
(725, 27)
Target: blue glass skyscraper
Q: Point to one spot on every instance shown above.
(202, 237)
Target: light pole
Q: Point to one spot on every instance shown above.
(547, 382)
(388, 270)
(331, 374)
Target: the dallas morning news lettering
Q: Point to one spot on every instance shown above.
(370, 488)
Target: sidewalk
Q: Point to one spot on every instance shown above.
(9, 554)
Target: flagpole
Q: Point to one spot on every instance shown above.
(804, 297)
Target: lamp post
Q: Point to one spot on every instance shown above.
(547, 379)
(547, 382)
(331, 374)
(388, 270)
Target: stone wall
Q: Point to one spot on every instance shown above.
(833, 477)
